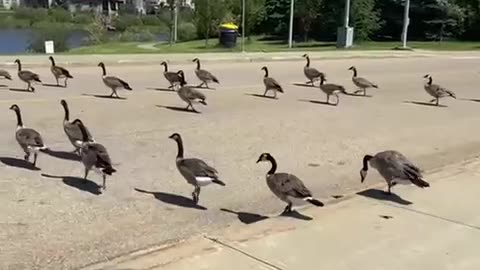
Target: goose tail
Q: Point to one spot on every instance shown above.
(374, 85)
(450, 93)
(109, 170)
(218, 182)
(314, 201)
(203, 102)
(214, 79)
(419, 182)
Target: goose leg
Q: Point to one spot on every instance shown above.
(265, 94)
(436, 103)
(65, 84)
(196, 194)
(200, 85)
(364, 91)
(328, 98)
(85, 175)
(274, 93)
(56, 78)
(206, 85)
(193, 109)
(338, 99)
(104, 186)
(27, 156)
(389, 192)
(35, 159)
(288, 208)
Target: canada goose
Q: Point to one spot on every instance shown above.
(204, 75)
(188, 94)
(113, 82)
(59, 72)
(271, 84)
(436, 90)
(395, 168)
(5, 74)
(360, 82)
(73, 132)
(27, 76)
(311, 73)
(29, 139)
(94, 156)
(194, 170)
(286, 186)
(331, 89)
(172, 77)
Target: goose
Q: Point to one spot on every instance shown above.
(271, 84)
(29, 139)
(113, 82)
(204, 75)
(395, 168)
(360, 82)
(286, 186)
(194, 170)
(436, 90)
(27, 76)
(73, 132)
(59, 72)
(331, 89)
(311, 73)
(188, 94)
(5, 74)
(172, 77)
(94, 156)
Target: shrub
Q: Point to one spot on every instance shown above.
(82, 18)
(186, 31)
(135, 33)
(122, 22)
(58, 35)
(59, 15)
(151, 20)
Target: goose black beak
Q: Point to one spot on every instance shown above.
(259, 160)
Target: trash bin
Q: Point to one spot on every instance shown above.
(228, 35)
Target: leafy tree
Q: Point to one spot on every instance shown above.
(277, 16)
(208, 15)
(255, 13)
(308, 11)
(365, 19)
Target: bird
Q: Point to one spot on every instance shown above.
(286, 186)
(395, 168)
(27, 76)
(436, 90)
(360, 82)
(113, 82)
(29, 139)
(94, 156)
(204, 75)
(311, 73)
(188, 94)
(331, 89)
(59, 72)
(5, 74)
(73, 132)
(271, 84)
(172, 77)
(194, 170)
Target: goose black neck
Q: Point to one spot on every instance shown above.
(165, 67)
(354, 72)
(84, 132)
(104, 71)
(180, 147)
(19, 66)
(430, 80)
(266, 72)
(366, 158)
(274, 165)
(67, 112)
(308, 61)
(198, 64)
(322, 80)
(19, 118)
(53, 61)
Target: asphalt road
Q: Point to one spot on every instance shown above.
(50, 220)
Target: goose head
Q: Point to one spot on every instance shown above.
(195, 60)
(305, 55)
(163, 63)
(17, 61)
(63, 102)
(175, 137)
(352, 68)
(264, 157)
(182, 77)
(15, 107)
(51, 58)
(264, 68)
(427, 76)
(101, 64)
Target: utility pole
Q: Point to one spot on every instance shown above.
(175, 22)
(290, 32)
(243, 25)
(347, 14)
(406, 22)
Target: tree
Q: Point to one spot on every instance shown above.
(365, 19)
(255, 13)
(447, 19)
(277, 16)
(208, 15)
(308, 11)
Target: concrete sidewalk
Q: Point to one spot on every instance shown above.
(436, 228)
(129, 59)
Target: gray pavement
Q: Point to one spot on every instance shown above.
(50, 220)
(435, 228)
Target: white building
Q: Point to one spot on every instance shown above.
(8, 4)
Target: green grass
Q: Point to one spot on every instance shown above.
(257, 45)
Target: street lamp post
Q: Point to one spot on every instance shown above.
(243, 25)
(175, 22)
(406, 22)
(290, 32)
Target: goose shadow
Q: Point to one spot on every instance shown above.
(260, 96)
(174, 199)
(357, 95)
(383, 196)
(297, 215)
(204, 87)
(425, 104)
(78, 183)
(304, 84)
(3, 85)
(18, 163)
(105, 97)
(318, 102)
(162, 89)
(20, 90)
(53, 85)
(63, 155)
(246, 217)
(178, 109)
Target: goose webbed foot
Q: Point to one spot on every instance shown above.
(288, 209)
(433, 100)
(26, 157)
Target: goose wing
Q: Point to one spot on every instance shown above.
(5, 74)
(394, 164)
(364, 82)
(28, 75)
(272, 83)
(312, 72)
(115, 81)
(206, 75)
(74, 132)
(290, 185)
(29, 137)
(198, 168)
(62, 71)
(172, 76)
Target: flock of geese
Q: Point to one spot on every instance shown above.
(393, 166)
